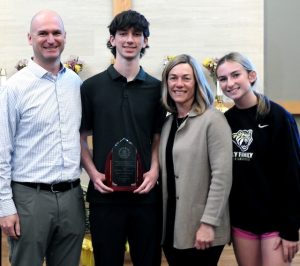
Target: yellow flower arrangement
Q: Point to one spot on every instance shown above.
(210, 64)
(87, 257)
(74, 64)
(167, 59)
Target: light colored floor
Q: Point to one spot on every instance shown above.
(227, 258)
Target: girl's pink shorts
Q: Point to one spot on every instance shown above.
(248, 235)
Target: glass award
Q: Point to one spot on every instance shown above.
(123, 167)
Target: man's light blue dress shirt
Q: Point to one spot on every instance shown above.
(40, 116)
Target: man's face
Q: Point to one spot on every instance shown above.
(47, 37)
(128, 43)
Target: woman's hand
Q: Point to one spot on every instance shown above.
(204, 236)
(289, 248)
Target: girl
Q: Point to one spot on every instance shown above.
(265, 196)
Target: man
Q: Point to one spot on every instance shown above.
(123, 102)
(41, 203)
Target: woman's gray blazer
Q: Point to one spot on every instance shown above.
(202, 156)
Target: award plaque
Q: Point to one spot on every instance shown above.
(123, 167)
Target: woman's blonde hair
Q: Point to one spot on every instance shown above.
(263, 103)
(203, 96)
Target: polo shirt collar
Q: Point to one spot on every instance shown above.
(115, 74)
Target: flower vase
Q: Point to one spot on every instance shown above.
(219, 104)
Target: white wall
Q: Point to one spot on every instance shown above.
(85, 22)
(282, 57)
(201, 28)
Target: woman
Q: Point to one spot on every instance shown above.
(196, 166)
(265, 197)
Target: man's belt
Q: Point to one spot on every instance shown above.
(55, 188)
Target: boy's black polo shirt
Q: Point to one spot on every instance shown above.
(112, 109)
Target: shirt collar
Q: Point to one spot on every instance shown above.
(192, 113)
(40, 71)
(115, 74)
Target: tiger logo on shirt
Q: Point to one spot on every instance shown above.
(243, 139)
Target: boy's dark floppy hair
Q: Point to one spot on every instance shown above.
(126, 20)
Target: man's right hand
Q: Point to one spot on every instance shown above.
(11, 225)
(98, 181)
